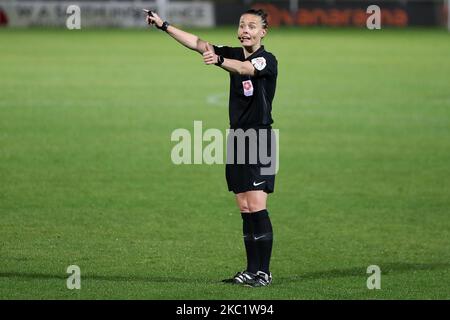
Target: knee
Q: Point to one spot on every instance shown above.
(255, 206)
(242, 204)
(244, 208)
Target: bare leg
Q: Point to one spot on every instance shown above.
(241, 200)
(256, 200)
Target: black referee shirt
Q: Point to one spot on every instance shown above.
(250, 103)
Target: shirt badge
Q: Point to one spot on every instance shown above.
(248, 88)
(259, 63)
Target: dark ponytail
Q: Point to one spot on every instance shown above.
(260, 13)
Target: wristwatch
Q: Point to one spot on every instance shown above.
(220, 60)
(164, 26)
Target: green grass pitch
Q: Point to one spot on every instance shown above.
(86, 177)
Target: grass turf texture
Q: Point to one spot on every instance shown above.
(86, 176)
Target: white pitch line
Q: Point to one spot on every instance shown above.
(217, 99)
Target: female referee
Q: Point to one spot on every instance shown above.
(253, 75)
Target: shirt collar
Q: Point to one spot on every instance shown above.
(254, 53)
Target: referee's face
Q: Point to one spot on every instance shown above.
(251, 30)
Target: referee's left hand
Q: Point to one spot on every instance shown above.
(209, 57)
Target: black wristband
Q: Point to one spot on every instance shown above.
(164, 26)
(220, 60)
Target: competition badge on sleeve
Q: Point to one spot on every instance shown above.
(259, 63)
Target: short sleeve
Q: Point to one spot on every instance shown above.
(266, 65)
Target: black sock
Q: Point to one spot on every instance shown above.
(250, 243)
(263, 235)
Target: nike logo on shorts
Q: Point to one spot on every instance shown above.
(257, 184)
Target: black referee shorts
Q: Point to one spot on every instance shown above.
(251, 160)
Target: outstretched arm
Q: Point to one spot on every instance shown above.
(188, 40)
(193, 42)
